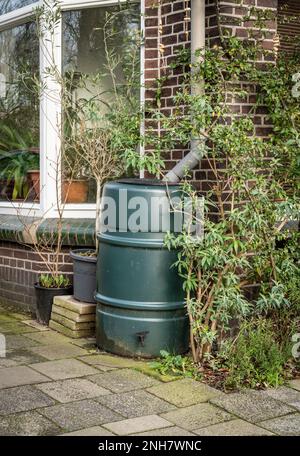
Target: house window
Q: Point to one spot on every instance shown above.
(7, 6)
(19, 108)
(33, 151)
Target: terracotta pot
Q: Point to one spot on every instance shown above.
(75, 191)
(34, 180)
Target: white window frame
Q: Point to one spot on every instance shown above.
(50, 111)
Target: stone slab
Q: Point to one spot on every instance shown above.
(34, 324)
(20, 357)
(15, 327)
(173, 431)
(19, 375)
(69, 332)
(183, 393)
(283, 394)
(70, 303)
(233, 428)
(295, 384)
(135, 425)
(288, 425)
(73, 316)
(75, 389)
(63, 369)
(79, 415)
(27, 424)
(60, 351)
(15, 342)
(253, 406)
(197, 416)
(89, 343)
(21, 399)
(135, 403)
(123, 380)
(109, 362)
(96, 431)
(47, 338)
(74, 326)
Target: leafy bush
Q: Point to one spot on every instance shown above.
(255, 359)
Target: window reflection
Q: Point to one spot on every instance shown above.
(94, 40)
(19, 113)
(6, 6)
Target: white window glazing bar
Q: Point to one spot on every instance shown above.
(18, 16)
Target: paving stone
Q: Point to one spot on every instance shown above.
(253, 406)
(197, 416)
(285, 425)
(6, 318)
(108, 362)
(15, 327)
(96, 431)
(19, 375)
(135, 403)
(295, 384)
(89, 343)
(64, 368)
(74, 389)
(184, 392)
(35, 324)
(21, 399)
(18, 341)
(19, 357)
(19, 316)
(27, 424)
(135, 425)
(123, 380)
(60, 351)
(148, 370)
(233, 428)
(168, 432)
(79, 415)
(284, 394)
(48, 338)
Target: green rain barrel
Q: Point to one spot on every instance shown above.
(140, 300)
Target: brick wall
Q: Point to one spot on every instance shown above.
(174, 37)
(19, 270)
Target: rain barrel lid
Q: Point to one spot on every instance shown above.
(151, 182)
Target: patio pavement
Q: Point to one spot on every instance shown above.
(53, 385)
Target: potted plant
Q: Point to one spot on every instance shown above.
(47, 287)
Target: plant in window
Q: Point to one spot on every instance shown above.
(17, 159)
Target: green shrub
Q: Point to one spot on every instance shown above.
(255, 359)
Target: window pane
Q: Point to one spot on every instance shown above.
(19, 113)
(92, 37)
(6, 6)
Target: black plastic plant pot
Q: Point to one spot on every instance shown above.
(44, 301)
(84, 280)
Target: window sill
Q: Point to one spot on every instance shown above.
(75, 232)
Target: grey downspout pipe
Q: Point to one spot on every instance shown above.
(191, 160)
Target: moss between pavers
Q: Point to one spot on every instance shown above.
(147, 370)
